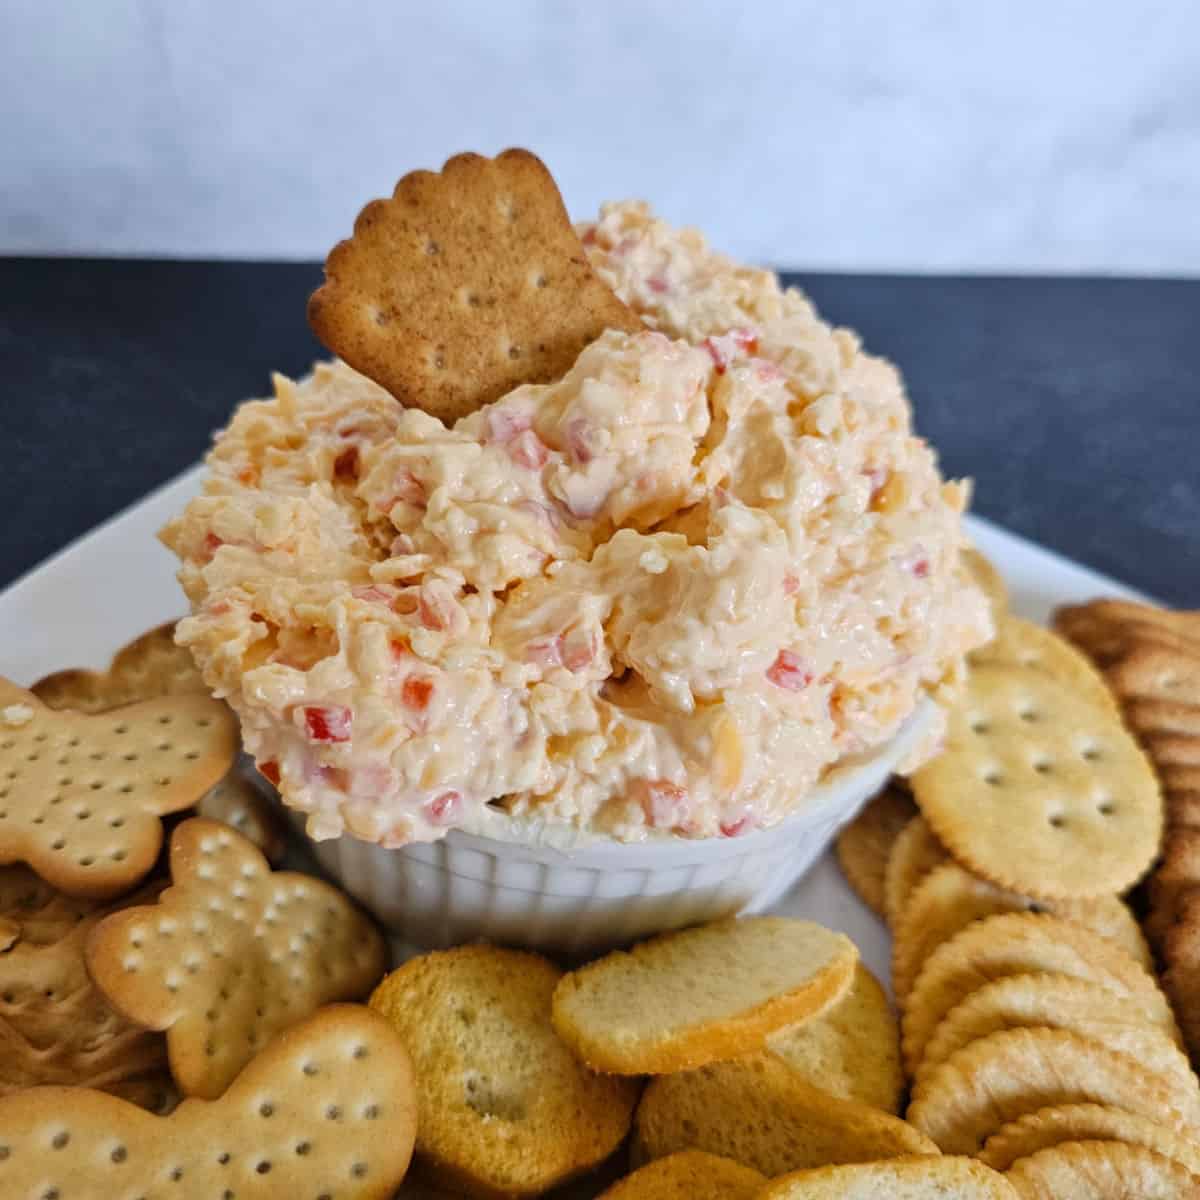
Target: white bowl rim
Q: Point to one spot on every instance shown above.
(538, 842)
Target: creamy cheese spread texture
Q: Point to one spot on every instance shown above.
(665, 593)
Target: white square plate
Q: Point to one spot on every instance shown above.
(101, 591)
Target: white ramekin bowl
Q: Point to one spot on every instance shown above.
(579, 894)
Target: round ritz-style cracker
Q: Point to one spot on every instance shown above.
(689, 1175)
(1085, 1123)
(1040, 791)
(1023, 644)
(758, 1111)
(863, 846)
(683, 999)
(82, 796)
(326, 1109)
(1101, 1170)
(921, 1177)
(950, 898)
(231, 954)
(1005, 1075)
(1021, 944)
(915, 853)
(1060, 1002)
(1181, 959)
(852, 1049)
(504, 1108)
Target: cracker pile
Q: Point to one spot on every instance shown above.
(1150, 658)
(1034, 1034)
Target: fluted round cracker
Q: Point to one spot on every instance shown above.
(1101, 1170)
(1005, 1075)
(1086, 1123)
(1061, 1002)
(1025, 645)
(1041, 792)
(1020, 944)
(851, 1050)
(863, 846)
(1181, 959)
(950, 898)
(915, 853)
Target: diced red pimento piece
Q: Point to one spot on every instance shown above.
(345, 466)
(664, 803)
(791, 585)
(658, 285)
(724, 348)
(577, 434)
(445, 808)
(400, 648)
(737, 827)
(269, 770)
(417, 692)
(789, 672)
(371, 593)
(577, 649)
(328, 723)
(212, 544)
(528, 450)
(921, 568)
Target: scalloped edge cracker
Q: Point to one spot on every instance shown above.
(463, 285)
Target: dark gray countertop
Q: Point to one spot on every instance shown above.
(1074, 403)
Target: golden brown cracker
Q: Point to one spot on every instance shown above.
(757, 1111)
(863, 846)
(326, 1109)
(1150, 672)
(238, 803)
(1085, 1123)
(231, 954)
(1102, 1170)
(920, 1177)
(851, 1050)
(504, 1108)
(1181, 963)
(1060, 1002)
(463, 285)
(1020, 944)
(915, 853)
(82, 797)
(1183, 810)
(150, 666)
(1005, 1075)
(1040, 791)
(1177, 875)
(1021, 643)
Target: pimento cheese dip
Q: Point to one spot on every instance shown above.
(665, 593)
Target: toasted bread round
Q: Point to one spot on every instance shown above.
(689, 1175)
(759, 1112)
(919, 1178)
(852, 1049)
(504, 1109)
(702, 995)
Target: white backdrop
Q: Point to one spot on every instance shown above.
(908, 134)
